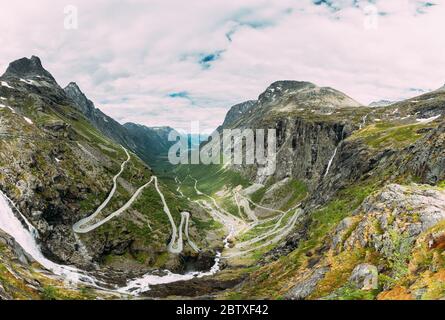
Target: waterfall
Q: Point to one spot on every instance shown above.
(11, 225)
(330, 162)
(363, 124)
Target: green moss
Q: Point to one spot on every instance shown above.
(389, 134)
(49, 293)
(209, 224)
(348, 292)
(398, 254)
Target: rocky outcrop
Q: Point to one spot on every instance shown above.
(365, 277)
(237, 112)
(305, 288)
(26, 68)
(392, 219)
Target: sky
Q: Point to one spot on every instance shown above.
(170, 62)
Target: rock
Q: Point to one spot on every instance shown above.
(304, 288)
(25, 68)
(365, 277)
(18, 251)
(437, 240)
(401, 212)
(342, 227)
(3, 294)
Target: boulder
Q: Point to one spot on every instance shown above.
(364, 277)
(305, 288)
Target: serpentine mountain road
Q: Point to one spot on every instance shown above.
(84, 225)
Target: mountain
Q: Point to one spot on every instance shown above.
(28, 68)
(381, 103)
(361, 189)
(354, 210)
(351, 169)
(237, 111)
(105, 124)
(60, 157)
(148, 143)
(151, 143)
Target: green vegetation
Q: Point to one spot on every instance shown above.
(348, 292)
(211, 178)
(49, 293)
(389, 134)
(322, 222)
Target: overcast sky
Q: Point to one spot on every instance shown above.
(168, 62)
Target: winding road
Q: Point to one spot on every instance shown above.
(175, 246)
(238, 226)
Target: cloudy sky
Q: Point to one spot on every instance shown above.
(169, 62)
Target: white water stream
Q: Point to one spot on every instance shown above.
(11, 225)
(330, 162)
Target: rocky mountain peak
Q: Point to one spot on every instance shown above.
(280, 88)
(304, 94)
(27, 68)
(238, 111)
(73, 86)
(82, 103)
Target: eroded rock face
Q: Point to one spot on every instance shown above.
(304, 288)
(365, 277)
(396, 212)
(389, 225)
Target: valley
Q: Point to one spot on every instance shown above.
(91, 209)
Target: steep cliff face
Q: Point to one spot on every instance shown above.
(361, 236)
(150, 143)
(326, 139)
(310, 123)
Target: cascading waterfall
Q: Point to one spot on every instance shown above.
(11, 225)
(330, 162)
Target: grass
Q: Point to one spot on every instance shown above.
(388, 134)
(322, 222)
(211, 178)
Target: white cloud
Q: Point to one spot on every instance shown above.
(129, 56)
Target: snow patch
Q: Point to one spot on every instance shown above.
(427, 120)
(5, 84)
(30, 82)
(28, 120)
